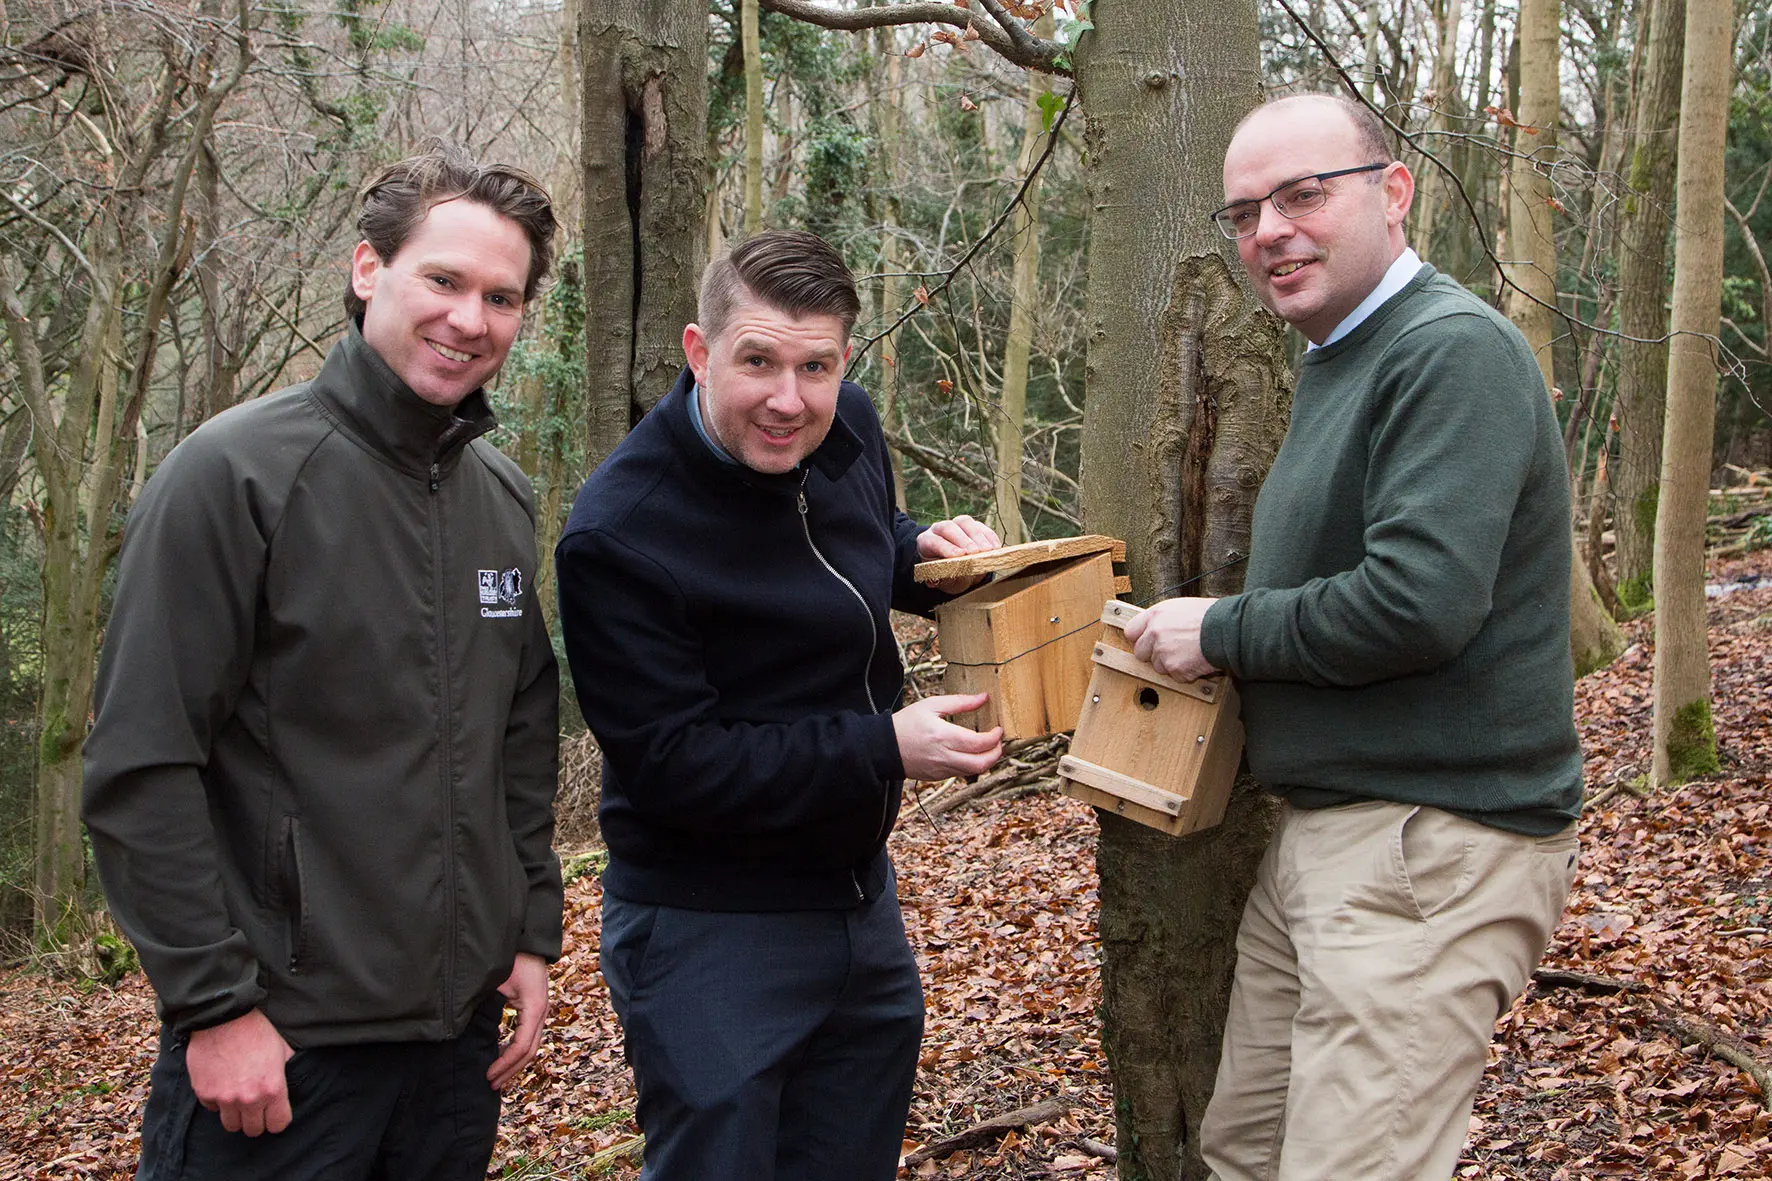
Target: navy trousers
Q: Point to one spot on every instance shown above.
(381, 1111)
(767, 1047)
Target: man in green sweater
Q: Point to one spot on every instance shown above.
(1402, 651)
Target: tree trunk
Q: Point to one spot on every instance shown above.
(1437, 210)
(221, 363)
(1532, 267)
(1187, 399)
(1024, 231)
(76, 553)
(885, 99)
(1685, 742)
(1595, 639)
(72, 576)
(643, 122)
(1642, 302)
(570, 161)
(753, 117)
(1372, 67)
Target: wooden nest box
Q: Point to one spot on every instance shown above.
(1026, 638)
(1151, 748)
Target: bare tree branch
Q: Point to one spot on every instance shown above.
(1759, 257)
(51, 229)
(1023, 40)
(947, 276)
(24, 343)
(935, 462)
(1004, 33)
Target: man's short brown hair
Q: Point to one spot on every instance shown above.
(398, 198)
(790, 270)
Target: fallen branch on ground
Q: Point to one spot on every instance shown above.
(1031, 787)
(1630, 785)
(1696, 1031)
(1586, 981)
(988, 1130)
(628, 1149)
(1692, 1030)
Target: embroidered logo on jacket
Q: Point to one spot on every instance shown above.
(496, 588)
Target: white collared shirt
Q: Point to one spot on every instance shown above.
(1395, 279)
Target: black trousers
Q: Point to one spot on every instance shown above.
(381, 1111)
(767, 1047)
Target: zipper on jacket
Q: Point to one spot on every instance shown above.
(445, 751)
(292, 893)
(873, 636)
(867, 672)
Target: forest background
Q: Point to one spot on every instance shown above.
(176, 200)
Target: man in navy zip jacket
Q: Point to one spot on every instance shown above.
(725, 581)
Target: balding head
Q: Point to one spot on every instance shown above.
(1367, 126)
(1313, 264)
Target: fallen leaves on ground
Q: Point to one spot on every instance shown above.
(1674, 898)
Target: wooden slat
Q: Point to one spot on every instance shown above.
(1117, 614)
(1205, 689)
(1123, 786)
(1014, 557)
(1095, 798)
(1122, 585)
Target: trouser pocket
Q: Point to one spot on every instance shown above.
(1431, 855)
(627, 936)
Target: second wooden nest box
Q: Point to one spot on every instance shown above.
(1151, 748)
(1026, 638)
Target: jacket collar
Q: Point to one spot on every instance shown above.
(381, 412)
(841, 446)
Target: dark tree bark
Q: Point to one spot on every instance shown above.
(1644, 222)
(1187, 401)
(644, 122)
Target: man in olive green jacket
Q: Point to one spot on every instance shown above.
(321, 773)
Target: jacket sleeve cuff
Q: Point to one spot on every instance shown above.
(882, 739)
(541, 934)
(1218, 630)
(908, 594)
(188, 1019)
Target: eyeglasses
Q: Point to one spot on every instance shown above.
(1293, 199)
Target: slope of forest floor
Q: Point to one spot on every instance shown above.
(1630, 1057)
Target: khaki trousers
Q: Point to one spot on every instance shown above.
(1378, 948)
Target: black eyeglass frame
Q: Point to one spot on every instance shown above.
(1316, 176)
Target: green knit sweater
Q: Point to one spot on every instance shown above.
(1404, 629)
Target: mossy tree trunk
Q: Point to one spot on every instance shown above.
(885, 98)
(1644, 220)
(1685, 744)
